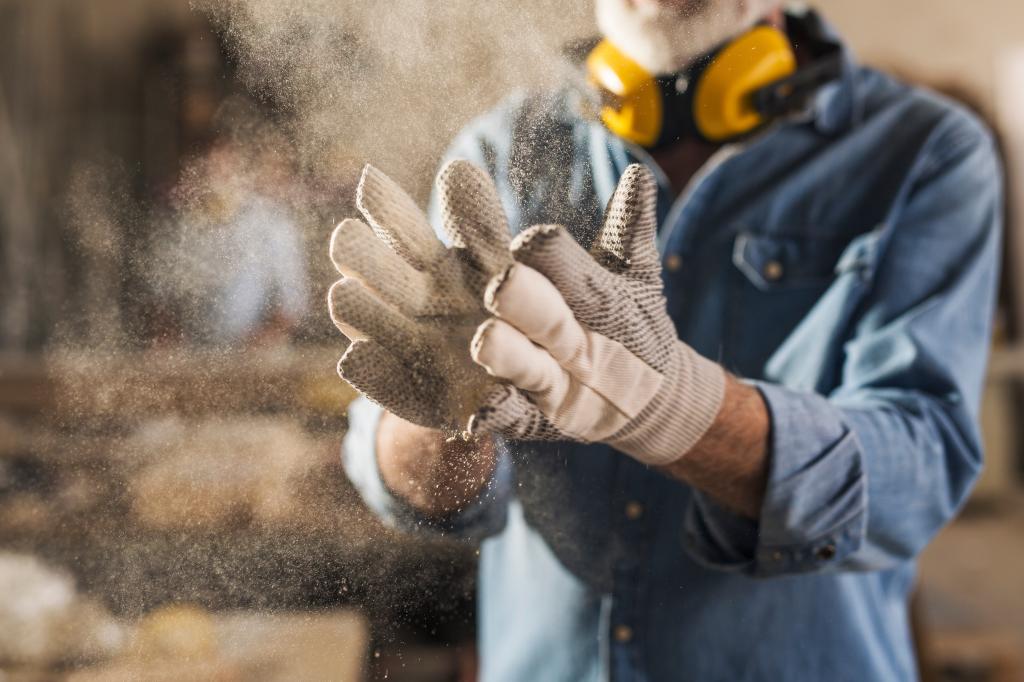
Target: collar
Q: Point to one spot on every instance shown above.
(837, 106)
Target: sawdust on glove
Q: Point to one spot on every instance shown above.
(409, 304)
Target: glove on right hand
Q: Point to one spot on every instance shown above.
(410, 305)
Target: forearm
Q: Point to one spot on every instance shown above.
(730, 462)
(856, 482)
(435, 474)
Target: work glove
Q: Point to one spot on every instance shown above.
(585, 344)
(409, 304)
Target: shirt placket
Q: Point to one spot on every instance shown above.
(633, 526)
(633, 503)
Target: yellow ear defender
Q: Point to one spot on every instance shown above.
(723, 107)
(631, 105)
(725, 95)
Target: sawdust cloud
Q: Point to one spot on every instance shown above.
(351, 83)
(391, 83)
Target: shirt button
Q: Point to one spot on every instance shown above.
(826, 552)
(634, 510)
(673, 263)
(773, 271)
(623, 634)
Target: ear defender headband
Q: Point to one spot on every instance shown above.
(727, 94)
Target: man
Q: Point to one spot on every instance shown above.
(778, 465)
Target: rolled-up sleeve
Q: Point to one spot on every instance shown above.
(815, 508)
(861, 478)
(482, 517)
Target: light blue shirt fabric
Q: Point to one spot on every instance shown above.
(846, 263)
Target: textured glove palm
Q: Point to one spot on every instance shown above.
(409, 304)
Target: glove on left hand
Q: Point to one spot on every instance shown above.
(587, 344)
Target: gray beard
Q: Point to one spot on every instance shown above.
(664, 39)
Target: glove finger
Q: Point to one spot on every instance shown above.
(554, 253)
(506, 353)
(606, 388)
(376, 373)
(474, 218)
(396, 219)
(530, 302)
(608, 304)
(627, 242)
(358, 253)
(360, 315)
(508, 412)
(592, 292)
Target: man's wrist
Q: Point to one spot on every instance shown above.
(730, 462)
(437, 475)
(688, 404)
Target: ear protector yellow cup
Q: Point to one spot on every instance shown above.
(725, 95)
(631, 104)
(723, 106)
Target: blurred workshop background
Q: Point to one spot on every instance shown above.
(172, 504)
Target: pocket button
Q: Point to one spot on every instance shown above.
(826, 552)
(773, 271)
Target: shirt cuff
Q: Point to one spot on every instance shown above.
(814, 512)
(483, 517)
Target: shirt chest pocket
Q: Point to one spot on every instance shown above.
(778, 280)
(773, 264)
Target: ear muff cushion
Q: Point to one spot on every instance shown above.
(632, 107)
(722, 106)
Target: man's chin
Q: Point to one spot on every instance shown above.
(678, 7)
(664, 36)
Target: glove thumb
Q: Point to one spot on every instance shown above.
(474, 218)
(627, 242)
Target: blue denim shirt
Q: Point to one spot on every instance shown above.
(846, 263)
